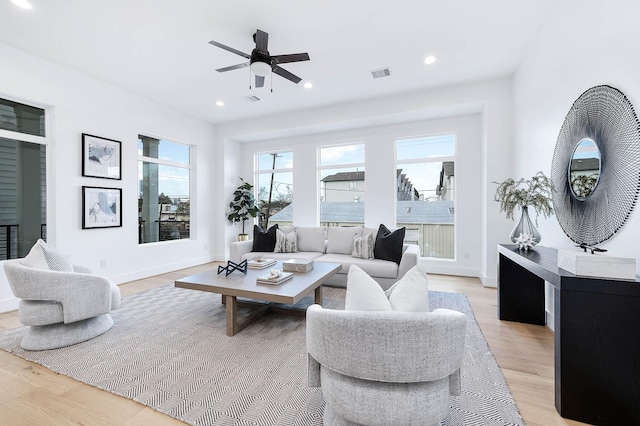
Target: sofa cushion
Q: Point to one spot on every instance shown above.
(363, 246)
(311, 238)
(286, 242)
(340, 239)
(364, 293)
(389, 244)
(264, 240)
(307, 255)
(374, 267)
(411, 292)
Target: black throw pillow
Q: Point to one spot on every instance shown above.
(264, 240)
(389, 244)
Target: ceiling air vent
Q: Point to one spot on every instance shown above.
(383, 72)
(254, 98)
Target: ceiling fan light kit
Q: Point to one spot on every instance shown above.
(261, 63)
(260, 68)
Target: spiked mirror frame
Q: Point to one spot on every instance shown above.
(605, 115)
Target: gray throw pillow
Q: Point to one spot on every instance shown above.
(56, 260)
(363, 246)
(286, 243)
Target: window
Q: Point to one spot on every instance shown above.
(164, 204)
(23, 192)
(425, 181)
(274, 175)
(342, 185)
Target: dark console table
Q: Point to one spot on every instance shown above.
(596, 333)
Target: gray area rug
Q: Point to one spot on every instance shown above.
(168, 350)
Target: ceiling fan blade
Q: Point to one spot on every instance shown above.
(294, 57)
(259, 81)
(286, 74)
(230, 49)
(233, 67)
(262, 40)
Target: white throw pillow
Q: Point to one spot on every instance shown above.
(286, 243)
(363, 246)
(364, 293)
(45, 256)
(411, 293)
(340, 239)
(35, 257)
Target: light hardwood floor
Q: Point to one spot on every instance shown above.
(33, 395)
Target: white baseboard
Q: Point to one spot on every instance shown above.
(160, 269)
(8, 305)
(444, 269)
(489, 281)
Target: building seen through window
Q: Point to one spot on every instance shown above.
(425, 182)
(164, 203)
(342, 185)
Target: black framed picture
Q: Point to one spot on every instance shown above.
(101, 207)
(101, 157)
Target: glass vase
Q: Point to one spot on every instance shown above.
(525, 226)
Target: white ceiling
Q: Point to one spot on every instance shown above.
(159, 48)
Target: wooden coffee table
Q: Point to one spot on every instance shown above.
(238, 284)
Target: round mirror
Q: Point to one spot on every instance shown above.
(606, 129)
(584, 169)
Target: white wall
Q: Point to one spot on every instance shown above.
(77, 104)
(485, 154)
(584, 44)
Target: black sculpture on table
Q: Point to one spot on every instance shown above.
(232, 266)
(585, 247)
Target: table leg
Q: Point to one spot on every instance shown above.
(231, 303)
(318, 295)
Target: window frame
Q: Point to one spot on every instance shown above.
(40, 140)
(190, 166)
(435, 159)
(258, 172)
(357, 166)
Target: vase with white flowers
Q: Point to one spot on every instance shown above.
(535, 193)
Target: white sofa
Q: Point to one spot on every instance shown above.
(334, 244)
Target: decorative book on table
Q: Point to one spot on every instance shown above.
(297, 265)
(260, 264)
(268, 279)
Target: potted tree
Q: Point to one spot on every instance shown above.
(536, 193)
(242, 207)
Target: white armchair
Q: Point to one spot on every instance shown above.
(61, 308)
(385, 368)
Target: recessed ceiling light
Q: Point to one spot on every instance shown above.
(220, 103)
(25, 4)
(308, 85)
(429, 59)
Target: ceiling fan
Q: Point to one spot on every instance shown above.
(261, 62)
